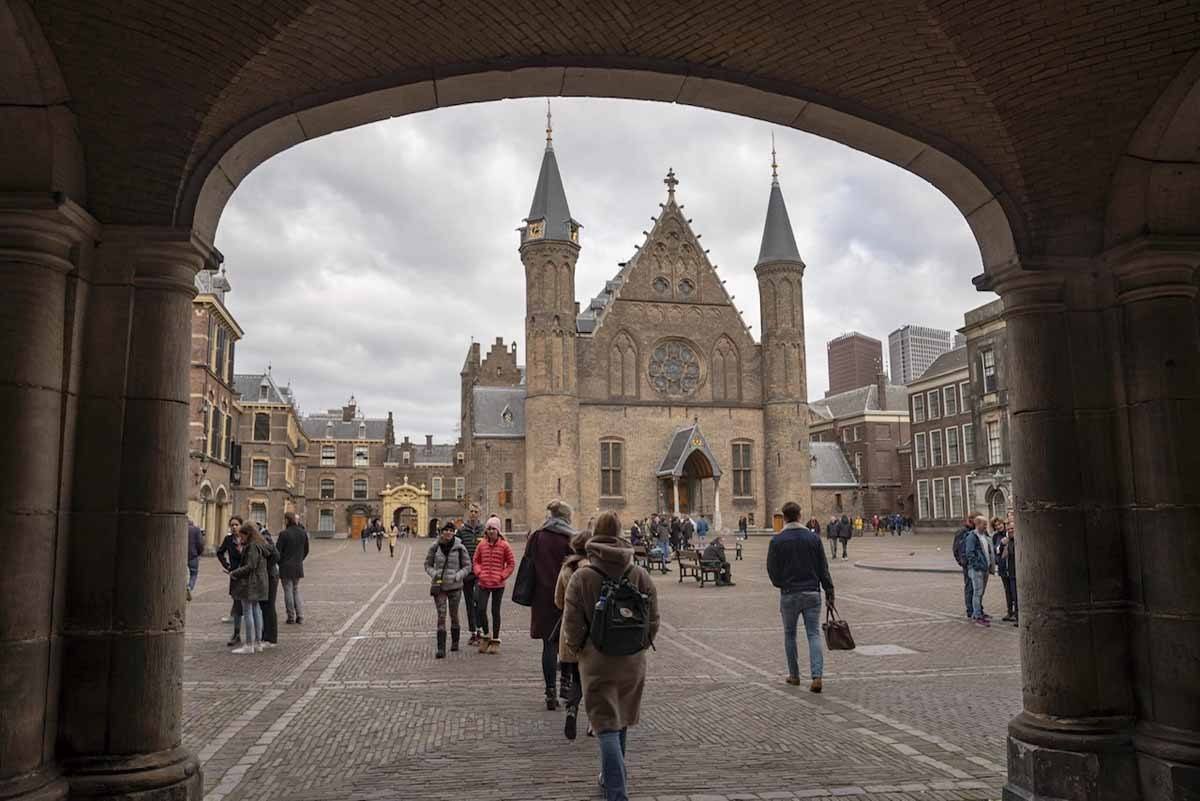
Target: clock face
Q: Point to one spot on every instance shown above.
(536, 229)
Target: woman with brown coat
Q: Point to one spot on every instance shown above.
(568, 657)
(612, 685)
(548, 547)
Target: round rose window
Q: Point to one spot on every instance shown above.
(674, 369)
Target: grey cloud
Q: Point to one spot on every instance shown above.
(364, 262)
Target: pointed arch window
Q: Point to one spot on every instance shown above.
(622, 367)
(726, 371)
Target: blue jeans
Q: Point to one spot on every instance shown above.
(968, 592)
(612, 764)
(792, 605)
(193, 572)
(252, 621)
(979, 580)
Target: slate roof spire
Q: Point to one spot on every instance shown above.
(778, 241)
(549, 205)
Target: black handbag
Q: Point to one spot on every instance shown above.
(837, 631)
(523, 587)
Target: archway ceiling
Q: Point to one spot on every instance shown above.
(1038, 100)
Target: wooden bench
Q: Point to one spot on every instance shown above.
(642, 556)
(689, 564)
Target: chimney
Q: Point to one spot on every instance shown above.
(881, 390)
(429, 443)
(406, 443)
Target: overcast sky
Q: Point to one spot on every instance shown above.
(365, 262)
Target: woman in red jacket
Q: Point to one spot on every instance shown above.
(494, 563)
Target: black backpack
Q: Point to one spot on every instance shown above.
(960, 548)
(621, 617)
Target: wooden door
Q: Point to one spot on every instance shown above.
(777, 522)
(357, 524)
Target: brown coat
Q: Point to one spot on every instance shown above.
(612, 685)
(549, 545)
(565, 652)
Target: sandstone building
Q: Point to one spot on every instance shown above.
(991, 479)
(271, 451)
(653, 398)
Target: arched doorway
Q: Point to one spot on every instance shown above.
(405, 502)
(997, 504)
(687, 463)
(406, 516)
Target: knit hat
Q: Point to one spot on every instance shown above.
(493, 522)
(559, 509)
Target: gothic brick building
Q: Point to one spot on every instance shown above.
(655, 397)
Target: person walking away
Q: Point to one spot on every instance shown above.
(570, 688)
(363, 536)
(250, 586)
(715, 554)
(742, 527)
(687, 530)
(797, 566)
(845, 531)
(293, 550)
(270, 629)
(548, 547)
(471, 533)
(613, 677)
(447, 564)
(702, 530)
(831, 534)
(492, 565)
(195, 549)
(662, 532)
(980, 561)
(959, 550)
(229, 554)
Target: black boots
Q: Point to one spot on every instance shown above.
(551, 701)
(454, 632)
(441, 645)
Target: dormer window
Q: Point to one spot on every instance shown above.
(329, 429)
(362, 430)
(263, 392)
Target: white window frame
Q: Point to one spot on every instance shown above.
(365, 452)
(460, 487)
(939, 514)
(405, 457)
(366, 488)
(858, 464)
(940, 460)
(995, 455)
(933, 397)
(266, 510)
(254, 462)
(966, 494)
(983, 370)
(918, 408)
(436, 487)
(957, 455)
(956, 509)
(949, 397)
(968, 455)
(321, 517)
(321, 488)
(920, 453)
(328, 456)
(964, 392)
(924, 499)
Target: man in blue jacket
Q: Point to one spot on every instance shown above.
(797, 565)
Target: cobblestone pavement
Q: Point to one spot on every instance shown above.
(352, 705)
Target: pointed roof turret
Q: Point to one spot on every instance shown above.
(778, 241)
(549, 216)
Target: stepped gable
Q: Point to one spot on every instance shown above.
(671, 266)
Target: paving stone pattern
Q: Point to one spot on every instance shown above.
(353, 705)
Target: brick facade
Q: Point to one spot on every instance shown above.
(854, 360)
(944, 442)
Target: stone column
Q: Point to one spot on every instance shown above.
(1160, 354)
(675, 485)
(1074, 738)
(717, 505)
(43, 241)
(122, 699)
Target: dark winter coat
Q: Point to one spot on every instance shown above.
(471, 537)
(549, 547)
(612, 685)
(229, 556)
(796, 562)
(450, 567)
(195, 542)
(715, 552)
(293, 550)
(845, 528)
(250, 579)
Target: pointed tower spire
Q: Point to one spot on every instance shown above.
(549, 216)
(778, 241)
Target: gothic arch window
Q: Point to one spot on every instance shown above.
(726, 371)
(768, 304)
(787, 318)
(622, 367)
(549, 285)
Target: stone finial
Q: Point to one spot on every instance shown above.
(671, 181)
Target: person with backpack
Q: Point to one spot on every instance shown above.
(492, 565)
(959, 549)
(797, 566)
(570, 689)
(547, 549)
(610, 618)
(447, 564)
